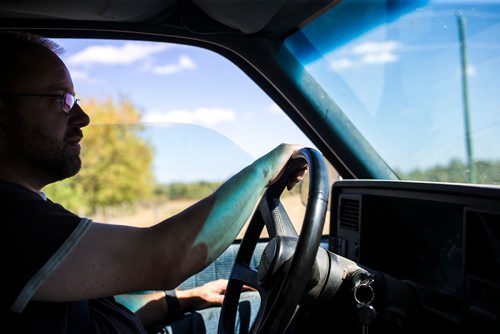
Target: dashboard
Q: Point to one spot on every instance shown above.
(439, 241)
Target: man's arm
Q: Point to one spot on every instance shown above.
(152, 308)
(111, 260)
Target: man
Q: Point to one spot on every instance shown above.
(61, 269)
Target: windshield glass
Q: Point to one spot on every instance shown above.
(419, 81)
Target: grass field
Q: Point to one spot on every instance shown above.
(152, 213)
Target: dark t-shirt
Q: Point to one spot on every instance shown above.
(37, 236)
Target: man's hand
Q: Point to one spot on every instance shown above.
(299, 175)
(283, 153)
(273, 164)
(209, 294)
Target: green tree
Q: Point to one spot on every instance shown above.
(456, 171)
(117, 161)
(192, 191)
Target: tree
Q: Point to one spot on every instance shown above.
(190, 191)
(488, 172)
(117, 161)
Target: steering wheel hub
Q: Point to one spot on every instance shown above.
(275, 257)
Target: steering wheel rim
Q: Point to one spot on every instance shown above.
(287, 262)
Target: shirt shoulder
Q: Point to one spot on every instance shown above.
(35, 231)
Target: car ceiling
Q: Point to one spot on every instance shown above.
(271, 18)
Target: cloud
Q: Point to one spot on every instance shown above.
(80, 75)
(368, 53)
(377, 52)
(379, 58)
(376, 47)
(84, 76)
(125, 54)
(183, 63)
(202, 116)
(275, 109)
(129, 53)
(342, 64)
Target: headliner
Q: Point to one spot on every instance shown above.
(271, 18)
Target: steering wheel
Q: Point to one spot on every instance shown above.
(286, 265)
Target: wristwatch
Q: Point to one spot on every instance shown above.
(174, 307)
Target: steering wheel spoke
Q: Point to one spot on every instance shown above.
(277, 221)
(245, 275)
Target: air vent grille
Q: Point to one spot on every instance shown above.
(349, 214)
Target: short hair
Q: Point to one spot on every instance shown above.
(13, 43)
(12, 39)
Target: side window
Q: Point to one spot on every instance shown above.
(169, 123)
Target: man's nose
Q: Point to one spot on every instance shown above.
(79, 117)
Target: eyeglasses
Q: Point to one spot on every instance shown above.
(67, 100)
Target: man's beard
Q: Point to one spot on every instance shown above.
(56, 158)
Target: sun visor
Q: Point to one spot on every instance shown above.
(246, 16)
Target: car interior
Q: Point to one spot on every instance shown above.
(430, 242)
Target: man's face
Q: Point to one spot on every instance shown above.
(44, 148)
(40, 133)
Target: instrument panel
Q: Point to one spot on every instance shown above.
(443, 239)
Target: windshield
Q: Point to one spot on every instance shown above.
(419, 82)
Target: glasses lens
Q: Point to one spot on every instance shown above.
(68, 102)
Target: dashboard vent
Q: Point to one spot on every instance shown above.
(349, 213)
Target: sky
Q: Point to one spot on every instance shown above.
(178, 84)
(400, 85)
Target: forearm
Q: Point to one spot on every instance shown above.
(159, 307)
(150, 307)
(233, 205)
(204, 231)
(154, 309)
(236, 200)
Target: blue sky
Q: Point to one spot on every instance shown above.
(401, 83)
